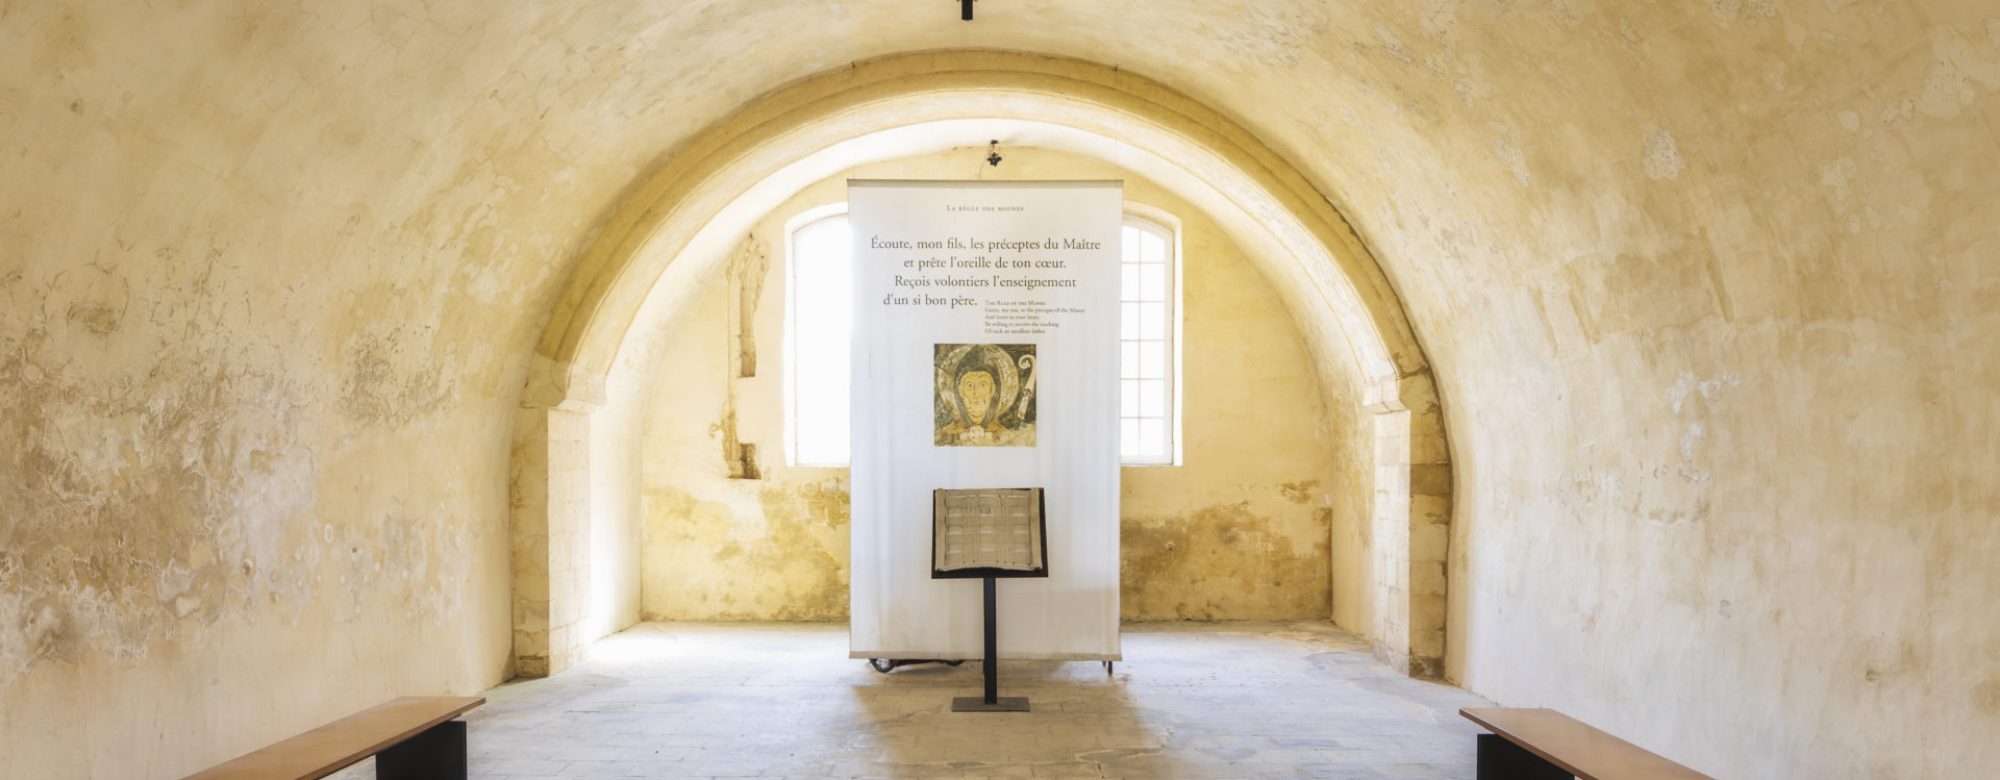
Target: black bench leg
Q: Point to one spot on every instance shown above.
(437, 754)
(1500, 759)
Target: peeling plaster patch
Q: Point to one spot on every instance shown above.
(1693, 434)
(1441, 21)
(416, 558)
(129, 496)
(1561, 15)
(1946, 93)
(1471, 91)
(390, 381)
(1388, 41)
(1273, 36)
(1897, 112)
(1663, 157)
(89, 297)
(1509, 153)
(1628, 35)
(411, 562)
(1956, 75)
(1687, 386)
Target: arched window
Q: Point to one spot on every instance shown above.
(819, 325)
(1148, 346)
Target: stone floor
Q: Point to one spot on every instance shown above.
(1231, 700)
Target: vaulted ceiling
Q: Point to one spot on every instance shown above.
(1710, 291)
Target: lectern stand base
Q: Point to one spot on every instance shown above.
(1000, 704)
(992, 701)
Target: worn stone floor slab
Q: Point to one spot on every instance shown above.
(1228, 700)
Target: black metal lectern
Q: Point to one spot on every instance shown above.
(989, 534)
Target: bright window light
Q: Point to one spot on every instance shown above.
(821, 324)
(1149, 380)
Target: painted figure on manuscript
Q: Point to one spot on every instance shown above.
(985, 395)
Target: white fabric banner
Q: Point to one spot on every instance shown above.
(985, 356)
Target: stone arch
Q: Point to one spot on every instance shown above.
(678, 218)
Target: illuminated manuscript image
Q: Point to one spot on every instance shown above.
(990, 528)
(985, 395)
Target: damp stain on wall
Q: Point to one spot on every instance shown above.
(1223, 561)
(776, 552)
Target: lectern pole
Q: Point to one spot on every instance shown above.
(992, 702)
(992, 641)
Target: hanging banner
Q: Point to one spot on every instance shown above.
(985, 356)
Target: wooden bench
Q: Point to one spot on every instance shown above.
(1542, 744)
(412, 737)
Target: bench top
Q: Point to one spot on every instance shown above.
(1577, 747)
(334, 746)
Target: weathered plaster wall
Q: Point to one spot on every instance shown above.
(259, 346)
(1241, 530)
(717, 547)
(1709, 290)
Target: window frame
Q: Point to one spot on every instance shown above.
(804, 219)
(1167, 227)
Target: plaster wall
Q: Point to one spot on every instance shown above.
(1240, 530)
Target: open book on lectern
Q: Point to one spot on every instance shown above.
(988, 532)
